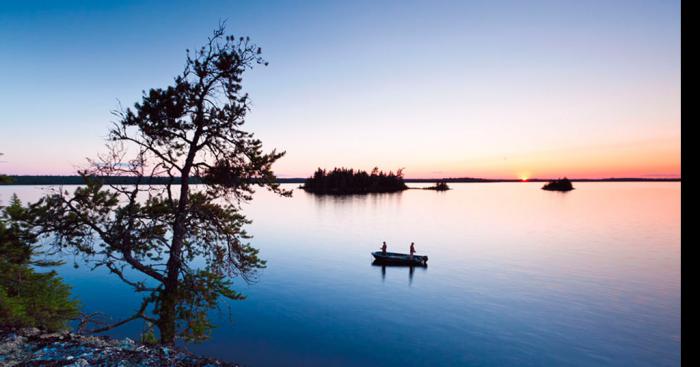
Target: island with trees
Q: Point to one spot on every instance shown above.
(562, 184)
(345, 181)
(439, 186)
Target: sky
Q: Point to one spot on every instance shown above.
(494, 89)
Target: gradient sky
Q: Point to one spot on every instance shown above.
(443, 88)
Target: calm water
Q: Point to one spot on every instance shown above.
(517, 276)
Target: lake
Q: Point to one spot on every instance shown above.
(516, 276)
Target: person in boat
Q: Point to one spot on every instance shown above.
(384, 247)
(412, 250)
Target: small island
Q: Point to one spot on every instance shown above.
(562, 184)
(439, 186)
(344, 181)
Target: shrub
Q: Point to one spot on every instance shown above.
(29, 298)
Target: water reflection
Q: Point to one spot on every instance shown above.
(374, 199)
(519, 276)
(411, 269)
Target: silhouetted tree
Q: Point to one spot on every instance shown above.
(192, 128)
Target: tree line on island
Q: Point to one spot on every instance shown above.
(348, 181)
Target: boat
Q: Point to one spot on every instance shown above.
(394, 258)
(376, 262)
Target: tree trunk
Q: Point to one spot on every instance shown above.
(167, 321)
(167, 314)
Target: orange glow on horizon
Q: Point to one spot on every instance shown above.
(654, 158)
(524, 176)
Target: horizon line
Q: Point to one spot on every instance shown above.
(33, 179)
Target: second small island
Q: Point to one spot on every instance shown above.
(439, 186)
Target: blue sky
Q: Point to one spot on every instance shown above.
(442, 88)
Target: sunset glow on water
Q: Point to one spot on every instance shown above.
(516, 276)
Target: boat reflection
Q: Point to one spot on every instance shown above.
(411, 269)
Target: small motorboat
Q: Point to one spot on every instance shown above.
(394, 258)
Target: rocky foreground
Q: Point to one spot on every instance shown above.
(31, 347)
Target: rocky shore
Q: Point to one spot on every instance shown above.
(31, 347)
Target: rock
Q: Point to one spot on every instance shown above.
(81, 363)
(30, 331)
(31, 347)
(128, 344)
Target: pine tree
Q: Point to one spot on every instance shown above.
(29, 298)
(149, 236)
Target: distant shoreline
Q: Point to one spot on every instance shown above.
(77, 180)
